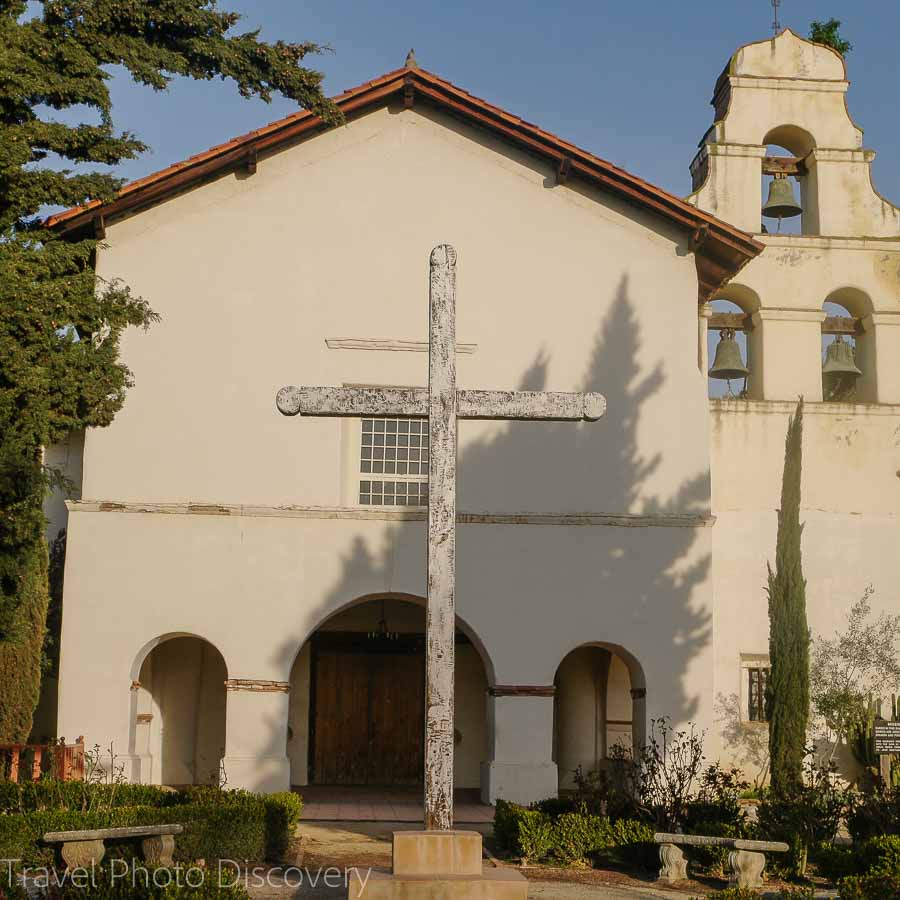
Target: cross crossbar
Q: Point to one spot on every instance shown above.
(547, 406)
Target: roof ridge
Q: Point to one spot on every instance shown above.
(733, 243)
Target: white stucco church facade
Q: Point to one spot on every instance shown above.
(244, 592)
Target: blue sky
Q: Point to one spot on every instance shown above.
(628, 81)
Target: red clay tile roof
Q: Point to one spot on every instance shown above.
(721, 250)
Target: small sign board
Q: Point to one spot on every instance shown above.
(887, 737)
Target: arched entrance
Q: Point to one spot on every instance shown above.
(358, 699)
(599, 704)
(179, 712)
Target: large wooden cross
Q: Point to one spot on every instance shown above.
(443, 404)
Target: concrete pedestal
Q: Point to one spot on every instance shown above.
(438, 865)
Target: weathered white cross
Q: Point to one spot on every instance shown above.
(443, 404)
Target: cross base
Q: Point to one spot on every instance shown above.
(438, 865)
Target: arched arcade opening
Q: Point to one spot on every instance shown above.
(357, 699)
(599, 705)
(178, 712)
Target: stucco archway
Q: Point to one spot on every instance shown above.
(177, 711)
(599, 703)
(374, 646)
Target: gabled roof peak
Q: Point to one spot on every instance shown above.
(721, 250)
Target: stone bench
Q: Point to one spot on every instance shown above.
(86, 848)
(747, 858)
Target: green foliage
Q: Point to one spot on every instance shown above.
(571, 837)
(806, 815)
(834, 863)
(875, 814)
(218, 824)
(576, 836)
(282, 815)
(869, 887)
(828, 33)
(524, 833)
(859, 662)
(23, 576)
(881, 855)
(60, 326)
(718, 801)
(787, 688)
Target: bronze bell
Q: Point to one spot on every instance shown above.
(728, 363)
(839, 372)
(781, 203)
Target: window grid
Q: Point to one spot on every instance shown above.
(399, 448)
(756, 696)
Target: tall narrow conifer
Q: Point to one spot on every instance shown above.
(787, 688)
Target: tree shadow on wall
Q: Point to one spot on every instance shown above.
(640, 585)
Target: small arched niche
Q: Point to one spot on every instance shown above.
(179, 717)
(730, 318)
(845, 310)
(599, 706)
(787, 149)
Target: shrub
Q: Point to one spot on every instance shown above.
(881, 856)
(834, 863)
(575, 836)
(282, 815)
(874, 814)
(217, 824)
(531, 834)
(869, 887)
(717, 802)
(804, 816)
(632, 844)
(526, 833)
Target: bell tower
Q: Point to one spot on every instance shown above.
(789, 92)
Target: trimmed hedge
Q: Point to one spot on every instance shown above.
(217, 824)
(571, 837)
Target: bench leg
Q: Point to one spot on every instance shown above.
(747, 868)
(159, 849)
(674, 865)
(82, 854)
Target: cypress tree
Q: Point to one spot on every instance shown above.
(59, 326)
(787, 688)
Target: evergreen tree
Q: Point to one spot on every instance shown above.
(787, 688)
(59, 327)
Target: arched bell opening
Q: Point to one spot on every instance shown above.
(733, 358)
(357, 699)
(178, 713)
(848, 362)
(789, 187)
(599, 706)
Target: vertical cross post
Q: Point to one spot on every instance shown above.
(441, 612)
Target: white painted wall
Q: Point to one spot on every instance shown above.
(248, 535)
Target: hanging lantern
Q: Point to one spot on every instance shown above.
(839, 372)
(781, 203)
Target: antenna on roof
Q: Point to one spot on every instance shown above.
(776, 25)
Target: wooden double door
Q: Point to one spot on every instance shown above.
(368, 710)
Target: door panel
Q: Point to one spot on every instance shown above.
(369, 716)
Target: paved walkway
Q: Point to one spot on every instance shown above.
(323, 803)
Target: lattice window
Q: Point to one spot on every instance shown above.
(756, 694)
(394, 462)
